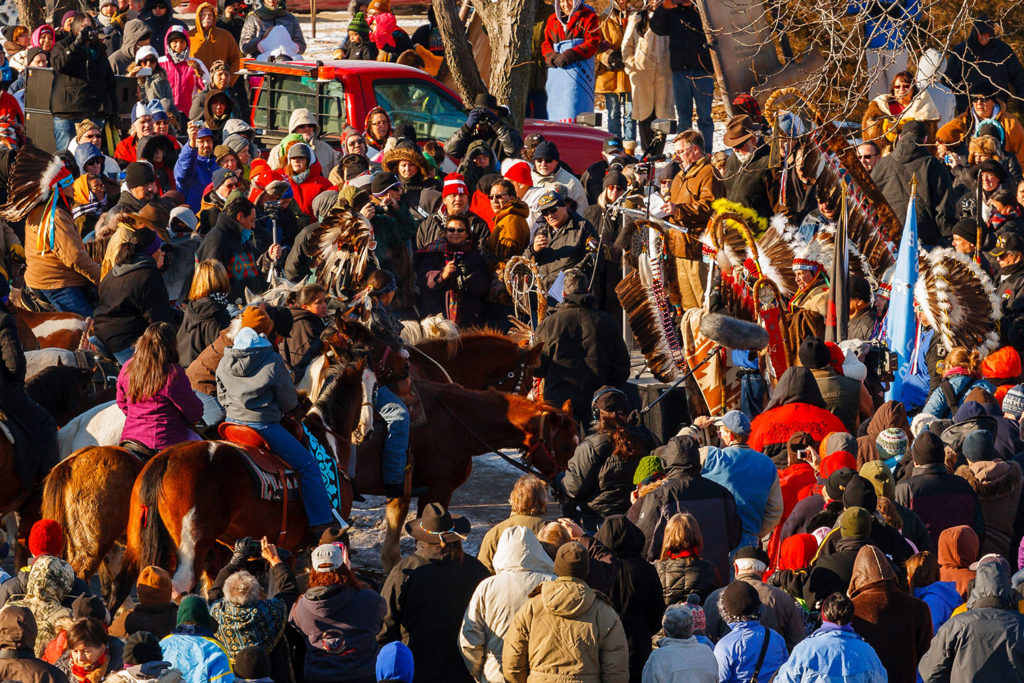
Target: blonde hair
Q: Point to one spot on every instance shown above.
(682, 533)
(960, 357)
(529, 496)
(554, 534)
(922, 570)
(210, 277)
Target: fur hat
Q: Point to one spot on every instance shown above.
(154, 586)
(739, 601)
(46, 538)
(395, 156)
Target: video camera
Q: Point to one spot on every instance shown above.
(882, 361)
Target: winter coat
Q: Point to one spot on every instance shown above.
(881, 124)
(685, 488)
(306, 190)
(203, 321)
(942, 598)
(364, 49)
(582, 24)
(427, 599)
(829, 574)
(688, 48)
(323, 153)
(303, 344)
(971, 67)
(257, 26)
(198, 655)
(157, 26)
(936, 214)
(562, 176)
(636, 592)
(753, 480)
(833, 653)
(159, 620)
(684, 575)
(737, 653)
(693, 191)
(64, 264)
(751, 183)
(150, 672)
(225, 244)
(842, 396)
(218, 44)
(17, 640)
(83, 83)
(898, 626)
(501, 138)
(489, 543)
(613, 28)
(340, 624)
(997, 484)
(681, 660)
(520, 564)
(192, 173)
(134, 32)
(1002, 367)
(200, 108)
(779, 612)
(182, 76)
(163, 419)
(131, 298)
(889, 414)
(938, 404)
(202, 372)
(253, 384)
(973, 415)
(1010, 290)
(598, 481)
(565, 633)
(567, 246)
(509, 236)
(583, 351)
(646, 55)
(460, 297)
(959, 132)
(958, 549)
(942, 500)
(985, 643)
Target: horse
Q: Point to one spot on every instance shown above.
(462, 424)
(479, 358)
(65, 391)
(193, 495)
(51, 330)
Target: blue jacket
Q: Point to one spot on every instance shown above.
(192, 173)
(937, 404)
(199, 658)
(886, 25)
(737, 653)
(750, 476)
(833, 653)
(942, 598)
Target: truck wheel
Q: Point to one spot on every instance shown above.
(8, 12)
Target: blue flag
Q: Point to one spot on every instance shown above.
(900, 321)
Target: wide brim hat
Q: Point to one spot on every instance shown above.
(738, 131)
(436, 525)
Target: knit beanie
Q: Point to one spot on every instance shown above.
(835, 462)
(252, 663)
(572, 560)
(979, 446)
(154, 586)
(141, 647)
(678, 620)
(836, 483)
(300, 150)
(46, 538)
(1013, 402)
(137, 174)
(928, 449)
(518, 171)
(615, 178)
(194, 610)
(454, 183)
(891, 443)
(84, 126)
(740, 599)
(256, 318)
(648, 467)
(855, 522)
(860, 493)
(359, 25)
(880, 477)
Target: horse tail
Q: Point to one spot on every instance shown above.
(54, 486)
(155, 542)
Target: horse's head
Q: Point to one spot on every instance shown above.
(386, 363)
(345, 400)
(554, 441)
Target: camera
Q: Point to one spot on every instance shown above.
(253, 549)
(883, 361)
(89, 33)
(457, 259)
(272, 207)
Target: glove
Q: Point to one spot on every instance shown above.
(615, 62)
(473, 118)
(549, 58)
(561, 59)
(240, 555)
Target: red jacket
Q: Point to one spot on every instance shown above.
(771, 429)
(795, 481)
(583, 23)
(306, 191)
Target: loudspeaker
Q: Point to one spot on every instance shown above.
(671, 413)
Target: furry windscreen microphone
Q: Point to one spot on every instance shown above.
(732, 333)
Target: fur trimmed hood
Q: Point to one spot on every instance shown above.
(992, 478)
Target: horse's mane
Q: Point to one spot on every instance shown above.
(452, 345)
(431, 328)
(330, 382)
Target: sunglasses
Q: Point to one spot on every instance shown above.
(92, 136)
(866, 156)
(455, 230)
(93, 162)
(498, 196)
(550, 211)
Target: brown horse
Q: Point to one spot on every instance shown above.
(192, 495)
(85, 493)
(461, 424)
(51, 330)
(480, 358)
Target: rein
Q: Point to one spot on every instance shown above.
(431, 359)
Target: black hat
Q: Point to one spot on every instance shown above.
(546, 150)
(979, 445)
(612, 145)
(282, 319)
(137, 174)
(928, 449)
(983, 25)
(382, 182)
(1007, 242)
(968, 229)
(915, 129)
(614, 178)
(572, 560)
(141, 647)
(860, 492)
(836, 482)
(859, 288)
(533, 139)
(749, 552)
(740, 599)
(990, 129)
(436, 524)
(995, 168)
(252, 663)
(813, 354)
(485, 100)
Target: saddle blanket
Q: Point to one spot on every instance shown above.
(271, 487)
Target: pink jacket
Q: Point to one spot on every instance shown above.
(163, 419)
(182, 77)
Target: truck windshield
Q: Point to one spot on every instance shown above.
(431, 111)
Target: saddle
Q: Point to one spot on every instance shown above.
(141, 451)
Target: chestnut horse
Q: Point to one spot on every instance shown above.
(480, 358)
(461, 424)
(192, 495)
(50, 330)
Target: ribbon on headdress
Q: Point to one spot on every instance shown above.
(47, 235)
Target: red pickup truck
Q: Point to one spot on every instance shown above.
(342, 92)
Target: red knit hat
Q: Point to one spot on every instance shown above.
(46, 538)
(454, 183)
(837, 461)
(519, 172)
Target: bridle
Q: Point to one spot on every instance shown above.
(541, 446)
(518, 374)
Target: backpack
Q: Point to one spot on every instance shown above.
(665, 513)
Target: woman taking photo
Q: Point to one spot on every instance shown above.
(154, 393)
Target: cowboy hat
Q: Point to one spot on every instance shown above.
(436, 525)
(738, 131)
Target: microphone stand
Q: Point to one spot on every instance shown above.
(715, 349)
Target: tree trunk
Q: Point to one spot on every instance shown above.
(30, 12)
(509, 27)
(457, 51)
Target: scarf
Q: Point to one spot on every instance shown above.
(384, 26)
(267, 14)
(177, 57)
(93, 673)
(682, 554)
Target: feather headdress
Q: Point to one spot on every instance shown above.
(345, 251)
(957, 299)
(33, 180)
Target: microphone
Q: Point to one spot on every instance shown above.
(733, 333)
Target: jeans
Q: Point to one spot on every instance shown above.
(753, 392)
(314, 493)
(620, 115)
(396, 446)
(213, 412)
(64, 130)
(69, 300)
(124, 355)
(694, 88)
